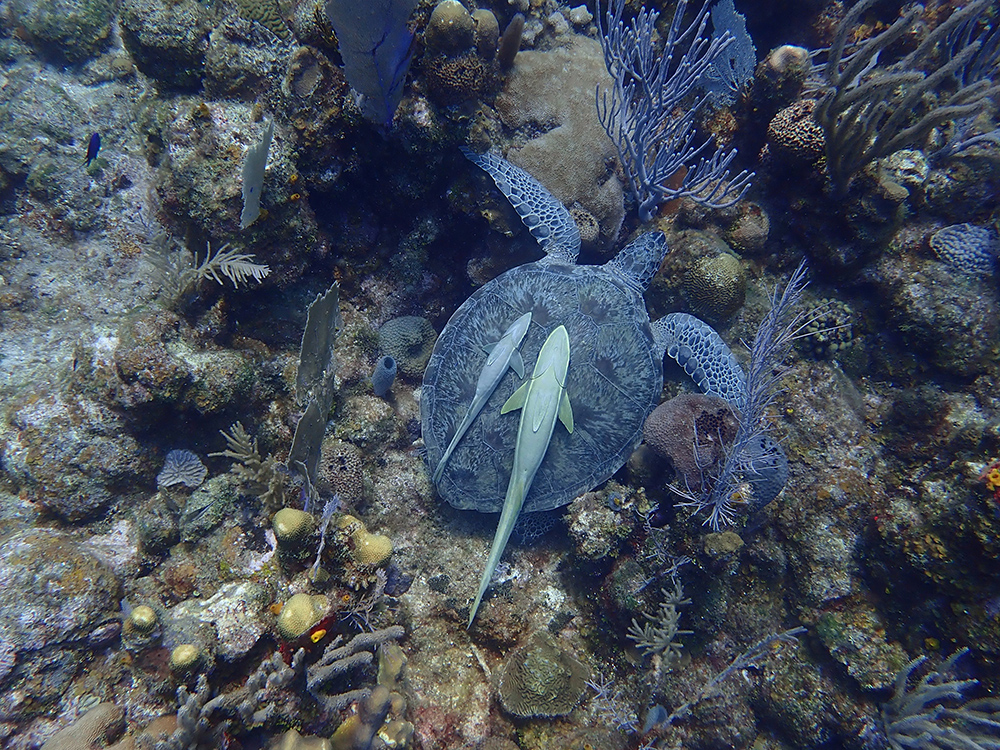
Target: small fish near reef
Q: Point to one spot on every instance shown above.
(93, 147)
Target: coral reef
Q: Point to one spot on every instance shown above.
(692, 432)
(409, 341)
(299, 614)
(181, 467)
(74, 31)
(95, 730)
(299, 582)
(716, 287)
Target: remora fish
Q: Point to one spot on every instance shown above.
(502, 355)
(542, 399)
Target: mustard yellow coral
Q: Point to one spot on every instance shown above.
(185, 658)
(993, 479)
(371, 549)
(366, 548)
(300, 613)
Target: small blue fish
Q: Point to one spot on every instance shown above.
(93, 147)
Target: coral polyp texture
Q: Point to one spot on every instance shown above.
(541, 679)
(971, 249)
(181, 467)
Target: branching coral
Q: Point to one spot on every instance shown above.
(264, 477)
(933, 714)
(869, 109)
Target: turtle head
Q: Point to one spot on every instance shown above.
(639, 261)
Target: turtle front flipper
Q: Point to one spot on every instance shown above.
(545, 217)
(696, 347)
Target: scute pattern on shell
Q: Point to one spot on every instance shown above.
(540, 679)
(703, 354)
(613, 384)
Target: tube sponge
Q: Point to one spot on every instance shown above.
(382, 377)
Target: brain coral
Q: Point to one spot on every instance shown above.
(716, 287)
(367, 549)
(371, 549)
(553, 93)
(540, 679)
(96, 728)
(408, 340)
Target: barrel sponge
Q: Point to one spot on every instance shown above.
(383, 375)
(408, 340)
(675, 426)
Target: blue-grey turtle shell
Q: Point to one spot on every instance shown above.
(614, 381)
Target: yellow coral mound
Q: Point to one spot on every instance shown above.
(366, 548)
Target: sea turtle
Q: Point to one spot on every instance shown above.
(616, 362)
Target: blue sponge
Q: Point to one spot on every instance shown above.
(385, 373)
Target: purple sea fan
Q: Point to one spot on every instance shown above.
(181, 467)
(752, 456)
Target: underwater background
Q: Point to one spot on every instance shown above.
(231, 233)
